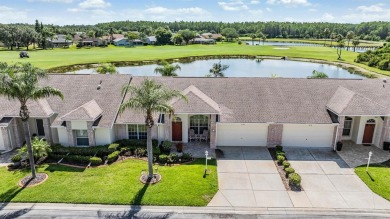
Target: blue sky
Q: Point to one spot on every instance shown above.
(95, 11)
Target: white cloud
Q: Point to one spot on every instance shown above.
(327, 17)
(234, 5)
(87, 4)
(11, 15)
(289, 2)
(371, 8)
(268, 9)
(52, 1)
(313, 10)
(254, 2)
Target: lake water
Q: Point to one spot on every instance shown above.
(242, 68)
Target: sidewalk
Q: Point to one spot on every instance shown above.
(31, 210)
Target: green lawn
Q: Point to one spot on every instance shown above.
(118, 183)
(377, 179)
(65, 57)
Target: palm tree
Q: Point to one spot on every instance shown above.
(332, 37)
(355, 43)
(167, 69)
(318, 74)
(217, 70)
(350, 35)
(326, 34)
(149, 97)
(253, 37)
(106, 68)
(68, 38)
(20, 82)
(340, 44)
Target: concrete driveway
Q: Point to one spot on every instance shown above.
(328, 182)
(247, 177)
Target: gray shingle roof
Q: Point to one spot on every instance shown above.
(87, 112)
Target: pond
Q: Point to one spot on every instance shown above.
(242, 68)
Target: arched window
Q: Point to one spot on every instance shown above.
(199, 123)
(371, 121)
(176, 119)
(347, 126)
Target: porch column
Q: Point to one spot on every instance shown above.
(275, 134)
(7, 141)
(213, 131)
(168, 128)
(46, 127)
(339, 133)
(18, 131)
(91, 134)
(385, 131)
(71, 139)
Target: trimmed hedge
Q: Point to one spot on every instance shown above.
(278, 148)
(280, 159)
(294, 179)
(289, 170)
(286, 164)
(113, 147)
(140, 152)
(95, 161)
(100, 151)
(163, 158)
(113, 157)
(77, 159)
(186, 157)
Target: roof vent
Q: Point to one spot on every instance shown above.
(100, 85)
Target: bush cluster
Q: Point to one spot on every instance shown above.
(286, 164)
(113, 157)
(95, 161)
(78, 159)
(289, 170)
(174, 158)
(100, 151)
(113, 147)
(294, 179)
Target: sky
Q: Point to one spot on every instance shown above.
(61, 12)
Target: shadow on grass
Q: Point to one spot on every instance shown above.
(369, 175)
(137, 199)
(6, 198)
(57, 167)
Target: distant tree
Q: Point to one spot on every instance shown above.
(27, 36)
(187, 35)
(91, 34)
(163, 36)
(177, 39)
(326, 35)
(230, 34)
(340, 44)
(318, 74)
(167, 69)
(106, 68)
(253, 37)
(217, 70)
(355, 43)
(68, 38)
(131, 36)
(350, 35)
(332, 38)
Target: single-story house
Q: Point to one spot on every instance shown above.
(214, 36)
(200, 40)
(121, 42)
(114, 36)
(265, 112)
(60, 41)
(91, 42)
(151, 40)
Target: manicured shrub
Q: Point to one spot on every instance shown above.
(289, 170)
(278, 148)
(95, 161)
(173, 158)
(186, 157)
(286, 164)
(56, 157)
(280, 159)
(294, 179)
(156, 151)
(140, 152)
(132, 142)
(113, 147)
(100, 151)
(154, 143)
(16, 158)
(167, 145)
(113, 157)
(77, 159)
(282, 153)
(163, 158)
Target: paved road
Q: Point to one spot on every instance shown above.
(20, 210)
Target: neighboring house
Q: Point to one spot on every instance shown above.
(214, 36)
(91, 42)
(121, 42)
(200, 40)
(151, 40)
(114, 37)
(235, 112)
(60, 41)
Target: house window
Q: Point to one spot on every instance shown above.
(82, 137)
(40, 128)
(199, 123)
(137, 131)
(347, 126)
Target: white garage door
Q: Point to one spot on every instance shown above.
(307, 135)
(236, 134)
(2, 146)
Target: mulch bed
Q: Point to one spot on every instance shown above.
(144, 178)
(29, 182)
(282, 173)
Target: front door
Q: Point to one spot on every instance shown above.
(368, 133)
(176, 131)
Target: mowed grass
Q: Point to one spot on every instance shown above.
(47, 59)
(118, 183)
(377, 179)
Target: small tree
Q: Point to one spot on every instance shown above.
(167, 69)
(106, 68)
(318, 74)
(131, 36)
(40, 147)
(187, 35)
(230, 33)
(217, 70)
(355, 43)
(350, 35)
(253, 37)
(326, 35)
(340, 45)
(177, 39)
